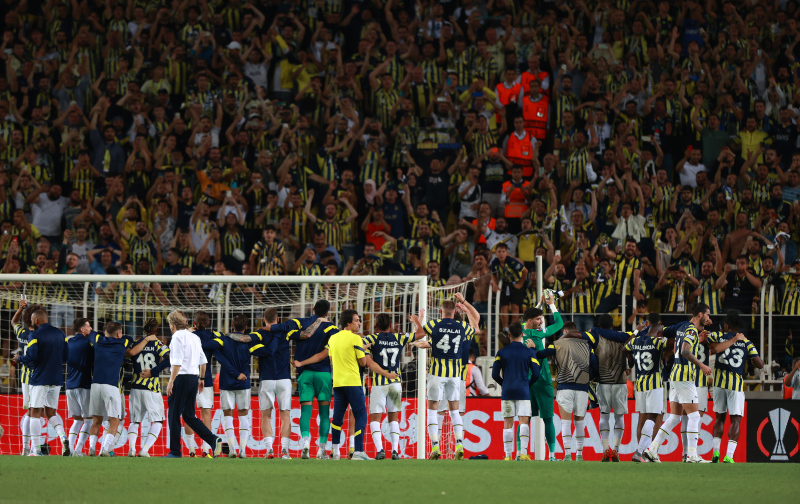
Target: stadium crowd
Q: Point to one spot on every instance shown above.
(653, 141)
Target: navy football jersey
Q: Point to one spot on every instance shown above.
(512, 367)
(274, 354)
(234, 357)
(306, 348)
(109, 353)
(80, 361)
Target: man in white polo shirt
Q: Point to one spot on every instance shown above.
(188, 363)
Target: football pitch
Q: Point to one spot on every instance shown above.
(57, 479)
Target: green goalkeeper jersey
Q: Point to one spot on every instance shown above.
(538, 339)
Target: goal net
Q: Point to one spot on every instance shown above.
(131, 300)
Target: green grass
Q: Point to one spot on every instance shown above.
(493, 482)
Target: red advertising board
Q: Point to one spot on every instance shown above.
(483, 425)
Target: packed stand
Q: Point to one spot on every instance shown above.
(649, 141)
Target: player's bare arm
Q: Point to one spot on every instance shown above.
(419, 330)
(371, 364)
(131, 352)
(721, 347)
(311, 360)
(686, 353)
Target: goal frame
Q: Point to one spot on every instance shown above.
(419, 280)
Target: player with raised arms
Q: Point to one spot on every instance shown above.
(105, 400)
(145, 396)
(314, 380)
(645, 351)
(447, 335)
(733, 351)
(275, 375)
(515, 369)
(682, 389)
(21, 325)
(46, 352)
(574, 354)
(541, 391)
(79, 383)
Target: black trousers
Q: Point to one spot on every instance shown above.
(182, 404)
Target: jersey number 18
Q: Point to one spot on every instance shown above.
(146, 361)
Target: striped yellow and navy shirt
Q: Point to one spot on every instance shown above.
(583, 301)
(683, 369)
(334, 231)
(23, 336)
(730, 365)
(446, 337)
(625, 269)
(646, 351)
(710, 295)
(678, 295)
(510, 272)
(153, 358)
(386, 349)
(791, 296)
(126, 300)
(703, 354)
(265, 254)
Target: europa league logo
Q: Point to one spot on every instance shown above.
(779, 418)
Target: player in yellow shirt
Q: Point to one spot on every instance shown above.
(346, 352)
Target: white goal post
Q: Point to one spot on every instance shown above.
(129, 299)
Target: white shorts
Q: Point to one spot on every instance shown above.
(205, 399)
(730, 401)
(443, 389)
(44, 396)
(612, 397)
(234, 399)
(270, 390)
(518, 408)
(650, 401)
(121, 405)
(702, 398)
(462, 400)
(104, 401)
(78, 402)
(683, 392)
(573, 401)
(387, 398)
(26, 395)
(146, 401)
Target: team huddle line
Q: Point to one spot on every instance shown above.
(329, 359)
